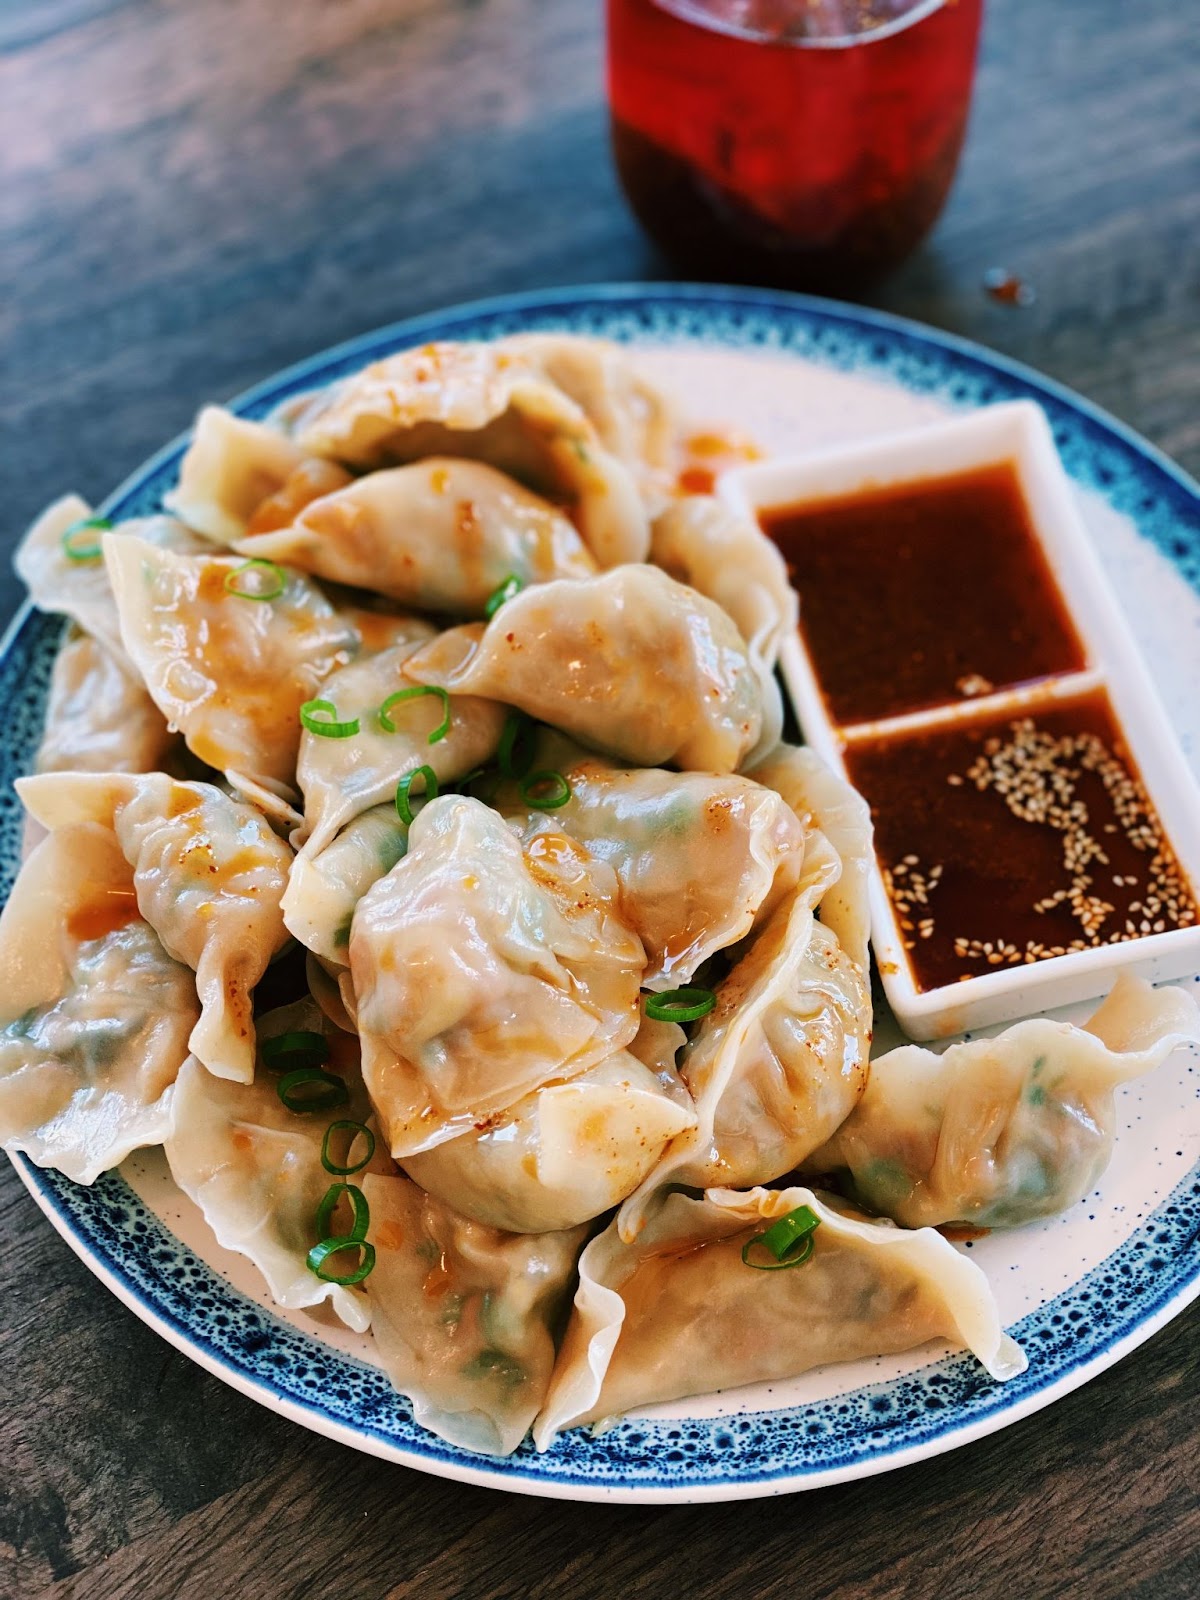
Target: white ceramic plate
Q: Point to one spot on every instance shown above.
(1078, 1292)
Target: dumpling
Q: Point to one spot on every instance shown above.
(231, 672)
(324, 889)
(816, 792)
(700, 859)
(680, 1312)
(562, 1155)
(780, 1061)
(209, 876)
(482, 970)
(254, 1167)
(340, 778)
(478, 401)
(442, 534)
(999, 1132)
(239, 476)
(94, 1014)
(631, 662)
(463, 1317)
(99, 717)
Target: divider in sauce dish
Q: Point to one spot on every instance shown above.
(963, 661)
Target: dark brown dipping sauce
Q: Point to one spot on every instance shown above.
(924, 594)
(1016, 838)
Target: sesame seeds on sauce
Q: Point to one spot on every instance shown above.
(1017, 837)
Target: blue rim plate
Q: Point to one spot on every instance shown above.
(1142, 1284)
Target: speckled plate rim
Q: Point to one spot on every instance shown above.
(1148, 1280)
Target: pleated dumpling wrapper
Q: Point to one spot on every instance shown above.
(680, 1312)
(632, 663)
(482, 970)
(999, 1132)
(94, 1014)
(209, 876)
(99, 717)
(464, 1316)
(254, 1167)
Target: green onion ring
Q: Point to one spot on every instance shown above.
(320, 1254)
(403, 809)
(287, 1051)
(680, 1005)
(75, 551)
(320, 716)
(358, 1200)
(558, 796)
(443, 727)
(355, 1128)
(511, 586)
(790, 1241)
(329, 1091)
(269, 570)
(516, 749)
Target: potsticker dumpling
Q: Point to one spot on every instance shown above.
(482, 971)
(679, 1312)
(254, 1167)
(999, 1132)
(478, 401)
(231, 672)
(630, 662)
(441, 534)
(94, 1014)
(99, 717)
(463, 1316)
(700, 859)
(239, 476)
(323, 889)
(780, 1061)
(209, 876)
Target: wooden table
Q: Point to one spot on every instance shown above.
(197, 192)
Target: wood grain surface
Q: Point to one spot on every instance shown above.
(195, 192)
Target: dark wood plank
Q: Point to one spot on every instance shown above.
(196, 193)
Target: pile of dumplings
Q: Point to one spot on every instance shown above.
(430, 708)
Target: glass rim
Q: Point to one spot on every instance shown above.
(695, 11)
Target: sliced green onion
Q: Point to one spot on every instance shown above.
(320, 716)
(311, 1089)
(256, 580)
(287, 1051)
(443, 727)
(403, 806)
(680, 1005)
(358, 1202)
(89, 550)
(354, 1129)
(790, 1241)
(511, 586)
(518, 745)
(560, 791)
(320, 1254)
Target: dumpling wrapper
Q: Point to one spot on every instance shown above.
(478, 401)
(237, 475)
(463, 1316)
(324, 889)
(700, 859)
(441, 534)
(209, 875)
(254, 1167)
(231, 673)
(999, 1132)
(94, 1014)
(99, 717)
(680, 1313)
(481, 971)
(780, 1061)
(630, 662)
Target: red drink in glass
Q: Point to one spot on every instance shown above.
(809, 143)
